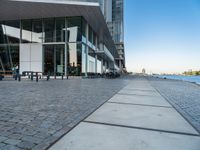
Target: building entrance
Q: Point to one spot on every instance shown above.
(54, 59)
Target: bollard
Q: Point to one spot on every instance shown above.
(19, 77)
(48, 77)
(36, 76)
(31, 76)
(62, 76)
(16, 77)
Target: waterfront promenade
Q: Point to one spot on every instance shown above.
(137, 117)
(132, 112)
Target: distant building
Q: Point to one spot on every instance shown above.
(143, 71)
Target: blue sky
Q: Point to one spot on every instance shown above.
(162, 36)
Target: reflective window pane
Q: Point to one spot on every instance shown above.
(74, 59)
(54, 59)
(90, 38)
(74, 29)
(49, 28)
(49, 59)
(10, 32)
(9, 58)
(60, 29)
(60, 59)
(26, 31)
(83, 30)
(37, 35)
(1, 33)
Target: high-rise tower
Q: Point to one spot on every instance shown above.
(113, 11)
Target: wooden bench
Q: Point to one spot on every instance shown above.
(6, 73)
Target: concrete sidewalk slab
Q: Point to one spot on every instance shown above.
(142, 100)
(158, 118)
(140, 89)
(87, 136)
(139, 92)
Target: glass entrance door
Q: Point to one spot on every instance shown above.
(54, 59)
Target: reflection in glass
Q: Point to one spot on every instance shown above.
(54, 59)
(49, 25)
(2, 40)
(37, 31)
(83, 31)
(60, 29)
(9, 58)
(74, 29)
(26, 31)
(74, 59)
(83, 59)
(60, 60)
(49, 59)
(90, 35)
(10, 32)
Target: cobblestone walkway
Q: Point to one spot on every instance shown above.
(184, 96)
(136, 118)
(35, 115)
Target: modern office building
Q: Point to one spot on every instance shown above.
(113, 11)
(56, 37)
(114, 14)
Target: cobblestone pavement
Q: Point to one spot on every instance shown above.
(35, 115)
(184, 96)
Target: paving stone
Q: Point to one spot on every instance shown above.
(15, 136)
(2, 138)
(5, 133)
(12, 141)
(40, 146)
(42, 110)
(42, 135)
(32, 139)
(26, 145)
(2, 145)
(10, 147)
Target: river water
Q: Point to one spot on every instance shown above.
(195, 79)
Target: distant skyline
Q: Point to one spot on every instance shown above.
(162, 36)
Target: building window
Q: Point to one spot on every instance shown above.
(74, 59)
(37, 35)
(9, 58)
(26, 31)
(60, 29)
(74, 29)
(49, 28)
(10, 32)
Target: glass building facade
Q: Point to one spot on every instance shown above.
(113, 11)
(53, 46)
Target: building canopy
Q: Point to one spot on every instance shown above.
(29, 9)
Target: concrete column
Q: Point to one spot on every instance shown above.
(66, 64)
(86, 55)
(96, 41)
(96, 63)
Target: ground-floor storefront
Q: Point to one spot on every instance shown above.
(55, 46)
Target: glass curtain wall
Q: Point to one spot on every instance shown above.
(54, 33)
(9, 46)
(51, 33)
(54, 59)
(74, 30)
